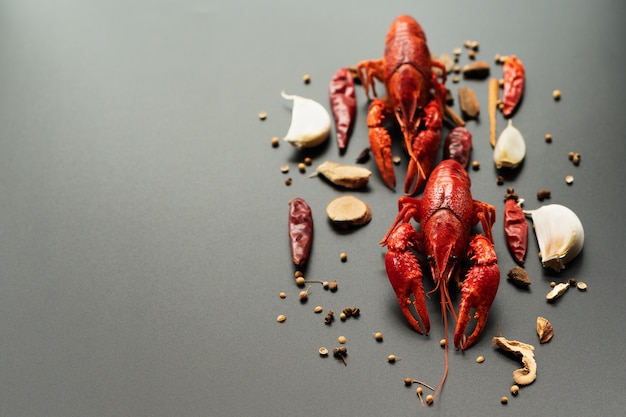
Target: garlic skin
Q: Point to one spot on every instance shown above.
(560, 234)
(310, 122)
(510, 148)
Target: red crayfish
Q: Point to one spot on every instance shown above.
(415, 99)
(446, 213)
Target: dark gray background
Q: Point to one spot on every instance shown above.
(143, 238)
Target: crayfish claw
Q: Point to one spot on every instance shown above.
(405, 276)
(478, 291)
(380, 142)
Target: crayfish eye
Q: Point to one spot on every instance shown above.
(399, 111)
(430, 258)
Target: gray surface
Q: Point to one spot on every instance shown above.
(143, 213)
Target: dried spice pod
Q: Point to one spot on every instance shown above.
(300, 230)
(519, 277)
(528, 373)
(343, 105)
(458, 146)
(347, 176)
(348, 211)
(469, 103)
(557, 291)
(514, 77)
(515, 227)
(545, 331)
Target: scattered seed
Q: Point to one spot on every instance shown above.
(332, 286)
(298, 274)
(306, 78)
(571, 282)
(281, 318)
(304, 294)
(456, 52)
(480, 359)
(396, 159)
(300, 281)
(284, 168)
(471, 54)
(325, 284)
(262, 115)
(456, 69)
(497, 59)
(342, 340)
(429, 399)
(302, 167)
(581, 286)
(341, 353)
(556, 95)
(308, 161)
(343, 316)
(391, 358)
(282, 295)
(519, 277)
(504, 400)
(456, 79)
(288, 181)
(323, 351)
(318, 309)
(499, 180)
(475, 165)
(378, 336)
(576, 159)
(570, 155)
(419, 390)
(514, 390)
(343, 256)
(548, 138)
(552, 284)
(543, 194)
(275, 142)
(442, 342)
(569, 179)
(330, 317)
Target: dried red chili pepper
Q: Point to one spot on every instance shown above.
(514, 76)
(343, 105)
(300, 230)
(515, 226)
(458, 145)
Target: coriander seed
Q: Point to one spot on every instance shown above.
(323, 351)
(514, 390)
(318, 309)
(480, 359)
(262, 115)
(306, 78)
(304, 294)
(391, 358)
(282, 295)
(300, 281)
(343, 256)
(281, 318)
(341, 340)
(504, 400)
(429, 399)
(378, 336)
(556, 94)
(275, 142)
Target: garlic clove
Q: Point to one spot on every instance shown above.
(310, 122)
(560, 234)
(510, 147)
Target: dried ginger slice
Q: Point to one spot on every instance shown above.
(528, 373)
(348, 211)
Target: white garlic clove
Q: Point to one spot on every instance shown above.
(560, 234)
(510, 148)
(310, 122)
